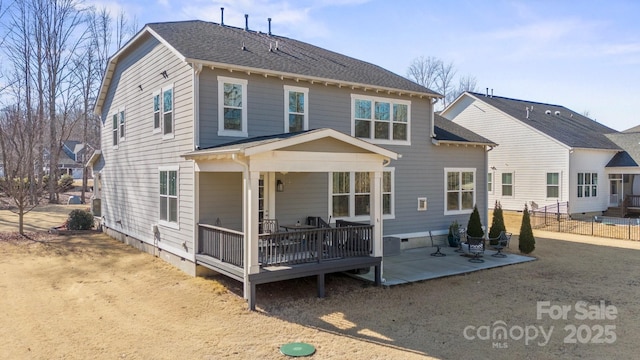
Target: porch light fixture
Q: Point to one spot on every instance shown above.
(279, 186)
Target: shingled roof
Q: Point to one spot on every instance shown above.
(630, 143)
(211, 42)
(556, 121)
(448, 131)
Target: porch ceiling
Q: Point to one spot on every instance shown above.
(322, 150)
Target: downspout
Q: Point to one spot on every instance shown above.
(197, 69)
(432, 116)
(486, 197)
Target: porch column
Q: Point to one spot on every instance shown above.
(250, 223)
(375, 209)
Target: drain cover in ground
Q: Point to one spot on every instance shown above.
(297, 349)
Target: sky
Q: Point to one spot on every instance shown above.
(584, 55)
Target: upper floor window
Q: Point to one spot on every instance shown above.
(115, 127)
(350, 193)
(490, 183)
(169, 195)
(507, 184)
(163, 119)
(384, 121)
(232, 107)
(553, 185)
(460, 194)
(121, 120)
(167, 111)
(296, 109)
(587, 184)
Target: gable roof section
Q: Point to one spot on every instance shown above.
(225, 46)
(255, 145)
(447, 131)
(630, 143)
(635, 129)
(562, 124)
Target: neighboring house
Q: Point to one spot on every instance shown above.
(548, 154)
(209, 130)
(70, 160)
(624, 174)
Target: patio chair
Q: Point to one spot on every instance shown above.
(269, 226)
(474, 246)
(503, 242)
(438, 253)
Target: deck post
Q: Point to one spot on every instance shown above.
(321, 285)
(378, 275)
(251, 296)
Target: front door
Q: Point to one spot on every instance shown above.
(615, 197)
(266, 205)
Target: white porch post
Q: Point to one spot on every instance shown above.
(250, 223)
(375, 209)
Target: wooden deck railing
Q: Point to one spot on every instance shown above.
(223, 244)
(630, 204)
(288, 248)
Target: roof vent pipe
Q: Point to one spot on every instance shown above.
(548, 112)
(269, 20)
(557, 113)
(222, 16)
(487, 93)
(527, 108)
(492, 93)
(246, 22)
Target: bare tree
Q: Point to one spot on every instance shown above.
(424, 71)
(445, 82)
(466, 83)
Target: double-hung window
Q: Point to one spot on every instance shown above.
(163, 108)
(507, 184)
(553, 185)
(296, 109)
(114, 120)
(121, 120)
(490, 183)
(380, 120)
(350, 194)
(232, 107)
(460, 194)
(587, 184)
(169, 195)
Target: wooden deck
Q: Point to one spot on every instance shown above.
(289, 254)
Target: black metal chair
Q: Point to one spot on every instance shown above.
(502, 242)
(438, 253)
(474, 246)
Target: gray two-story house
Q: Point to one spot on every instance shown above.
(212, 133)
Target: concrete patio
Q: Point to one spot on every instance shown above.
(417, 264)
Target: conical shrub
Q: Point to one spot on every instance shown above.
(497, 223)
(474, 227)
(527, 241)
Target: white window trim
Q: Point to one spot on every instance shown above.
(546, 185)
(305, 91)
(170, 135)
(156, 130)
(165, 223)
(392, 101)
(352, 201)
(590, 197)
(493, 182)
(221, 130)
(122, 112)
(513, 184)
(116, 130)
(475, 190)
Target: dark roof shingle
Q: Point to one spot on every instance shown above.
(207, 41)
(446, 130)
(556, 121)
(630, 143)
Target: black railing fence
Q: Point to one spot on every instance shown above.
(553, 219)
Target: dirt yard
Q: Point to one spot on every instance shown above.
(88, 296)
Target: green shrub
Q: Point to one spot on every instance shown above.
(454, 234)
(527, 241)
(497, 223)
(474, 227)
(65, 183)
(80, 220)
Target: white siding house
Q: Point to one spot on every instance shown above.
(547, 154)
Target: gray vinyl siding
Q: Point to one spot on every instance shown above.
(419, 173)
(221, 199)
(131, 173)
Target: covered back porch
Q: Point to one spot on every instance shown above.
(624, 194)
(284, 177)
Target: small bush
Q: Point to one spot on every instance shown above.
(527, 241)
(65, 183)
(474, 227)
(497, 223)
(80, 220)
